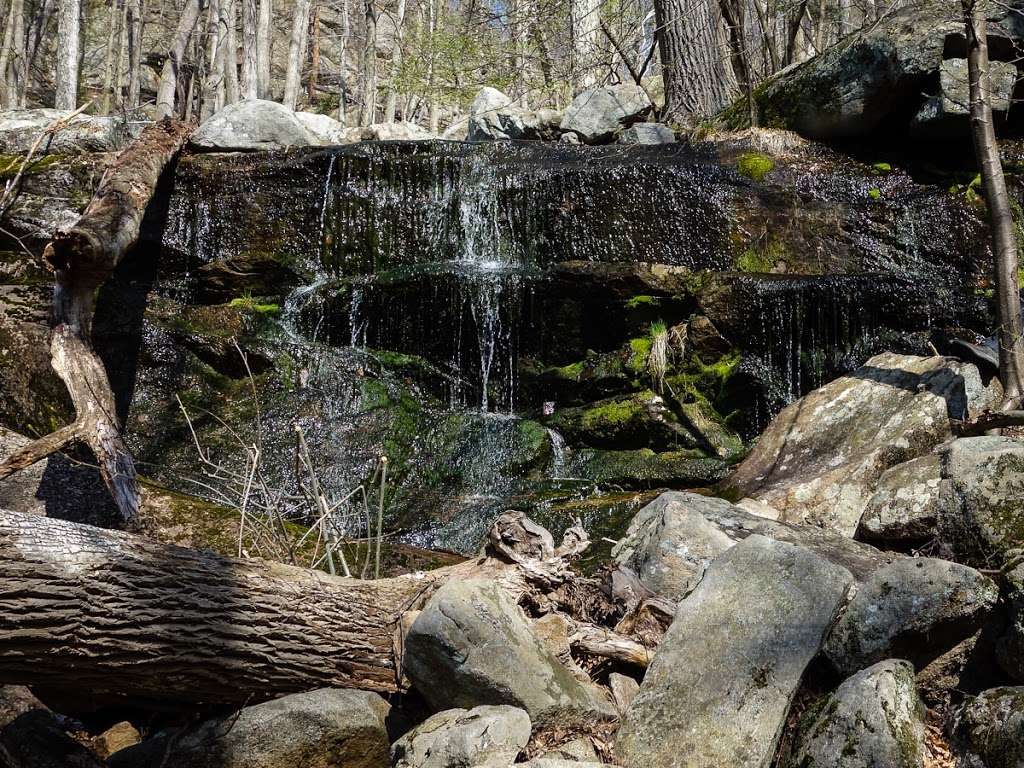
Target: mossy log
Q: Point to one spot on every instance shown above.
(82, 258)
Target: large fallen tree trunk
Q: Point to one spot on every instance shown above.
(114, 613)
(110, 612)
(82, 259)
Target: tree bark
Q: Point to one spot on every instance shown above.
(69, 40)
(263, 48)
(168, 88)
(111, 612)
(250, 79)
(1004, 242)
(369, 110)
(697, 75)
(9, 101)
(296, 53)
(229, 18)
(391, 106)
(585, 21)
(82, 259)
(343, 66)
(134, 52)
(213, 86)
(314, 54)
(109, 65)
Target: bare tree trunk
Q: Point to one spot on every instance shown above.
(369, 110)
(698, 80)
(69, 42)
(213, 85)
(314, 54)
(112, 51)
(433, 111)
(1004, 242)
(121, 61)
(343, 65)
(585, 20)
(229, 17)
(250, 78)
(39, 23)
(134, 52)
(169, 76)
(10, 95)
(82, 259)
(296, 53)
(263, 48)
(391, 106)
(203, 627)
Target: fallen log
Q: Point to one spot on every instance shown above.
(111, 612)
(82, 259)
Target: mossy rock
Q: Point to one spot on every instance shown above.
(755, 166)
(645, 468)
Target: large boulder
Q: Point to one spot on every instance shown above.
(493, 117)
(989, 730)
(647, 133)
(395, 132)
(327, 129)
(719, 689)
(471, 645)
(318, 729)
(598, 114)
(486, 735)
(886, 77)
(1010, 647)
(905, 504)
(21, 128)
(873, 719)
(673, 540)
(915, 608)
(982, 499)
(253, 124)
(820, 458)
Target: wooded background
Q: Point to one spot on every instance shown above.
(367, 61)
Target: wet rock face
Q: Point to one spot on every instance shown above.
(874, 718)
(720, 685)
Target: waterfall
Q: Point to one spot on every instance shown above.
(558, 461)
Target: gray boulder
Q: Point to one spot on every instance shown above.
(673, 540)
(982, 504)
(598, 114)
(722, 680)
(326, 129)
(1010, 647)
(554, 762)
(879, 77)
(905, 505)
(318, 729)
(471, 645)
(31, 736)
(395, 132)
(820, 458)
(579, 750)
(647, 133)
(916, 608)
(873, 719)
(493, 117)
(253, 124)
(988, 731)
(20, 128)
(481, 736)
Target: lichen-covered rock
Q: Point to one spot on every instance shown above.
(493, 117)
(719, 688)
(579, 750)
(20, 128)
(672, 541)
(395, 132)
(485, 735)
(319, 729)
(982, 499)
(471, 645)
(989, 730)
(1010, 647)
(915, 608)
(905, 504)
(252, 124)
(873, 719)
(820, 458)
(596, 115)
(327, 129)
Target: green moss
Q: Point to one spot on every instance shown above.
(750, 261)
(643, 301)
(755, 166)
(640, 350)
(880, 168)
(875, 193)
(253, 305)
(9, 165)
(573, 371)
(612, 414)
